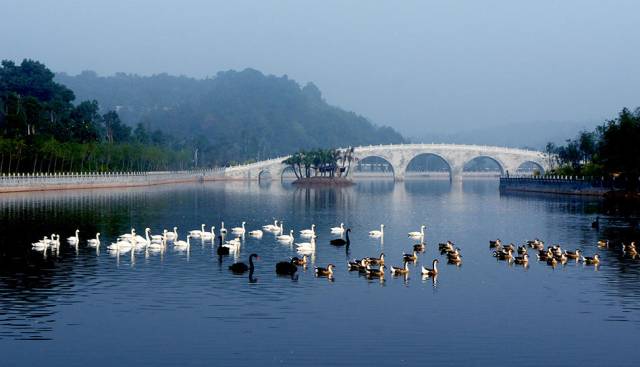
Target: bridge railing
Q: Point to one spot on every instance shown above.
(79, 178)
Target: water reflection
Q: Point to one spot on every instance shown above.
(50, 295)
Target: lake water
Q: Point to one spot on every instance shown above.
(88, 307)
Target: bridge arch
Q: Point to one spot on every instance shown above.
(478, 160)
(265, 175)
(428, 162)
(373, 164)
(528, 167)
(287, 172)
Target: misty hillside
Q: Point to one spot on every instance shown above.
(234, 116)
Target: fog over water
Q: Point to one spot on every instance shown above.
(430, 69)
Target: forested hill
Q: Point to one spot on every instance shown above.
(234, 116)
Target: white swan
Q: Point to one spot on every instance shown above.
(197, 232)
(418, 234)
(306, 246)
(94, 242)
(182, 245)
(377, 234)
(74, 240)
(122, 246)
(239, 230)
(41, 245)
(287, 238)
(338, 230)
(256, 233)
(55, 240)
(234, 242)
(173, 234)
(209, 235)
(271, 227)
(142, 240)
(159, 237)
(309, 232)
(128, 236)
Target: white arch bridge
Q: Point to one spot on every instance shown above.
(400, 155)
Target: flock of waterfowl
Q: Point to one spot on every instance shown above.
(372, 267)
(553, 255)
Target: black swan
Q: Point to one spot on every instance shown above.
(221, 249)
(340, 241)
(286, 268)
(240, 268)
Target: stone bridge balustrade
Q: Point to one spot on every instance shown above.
(400, 155)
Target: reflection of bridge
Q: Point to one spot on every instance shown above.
(400, 155)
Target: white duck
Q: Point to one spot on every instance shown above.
(239, 230)
(287, 238)
(338, 230)
(74, 239)
(197, 232)
(271, 227)
(418, 234)
(94, 242)
(309, 232)
(377, 234)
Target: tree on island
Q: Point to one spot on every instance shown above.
(329, 163)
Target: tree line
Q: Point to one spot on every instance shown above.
(612, 150)
(41, 130)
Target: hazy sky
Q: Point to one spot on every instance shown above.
(420, 66)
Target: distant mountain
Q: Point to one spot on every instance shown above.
(233, 116)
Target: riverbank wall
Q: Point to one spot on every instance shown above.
(79, 181)
(559, 185)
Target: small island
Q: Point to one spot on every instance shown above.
(322, 167)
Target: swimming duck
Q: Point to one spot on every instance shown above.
(410, 257)
(356, 264)
(603, 243)
(300, 262)
(504, 254)
(286, 268)
(545, 255)
(375, 260)
(433, 271)
(588, 260)
(400, 270)
(522, 260)
(327, 272)
(510, 247)
(444, 247)
(420, 247)
(573, 254)
(522, 250)
(494, 244)
(375, 273)
(552, 261)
